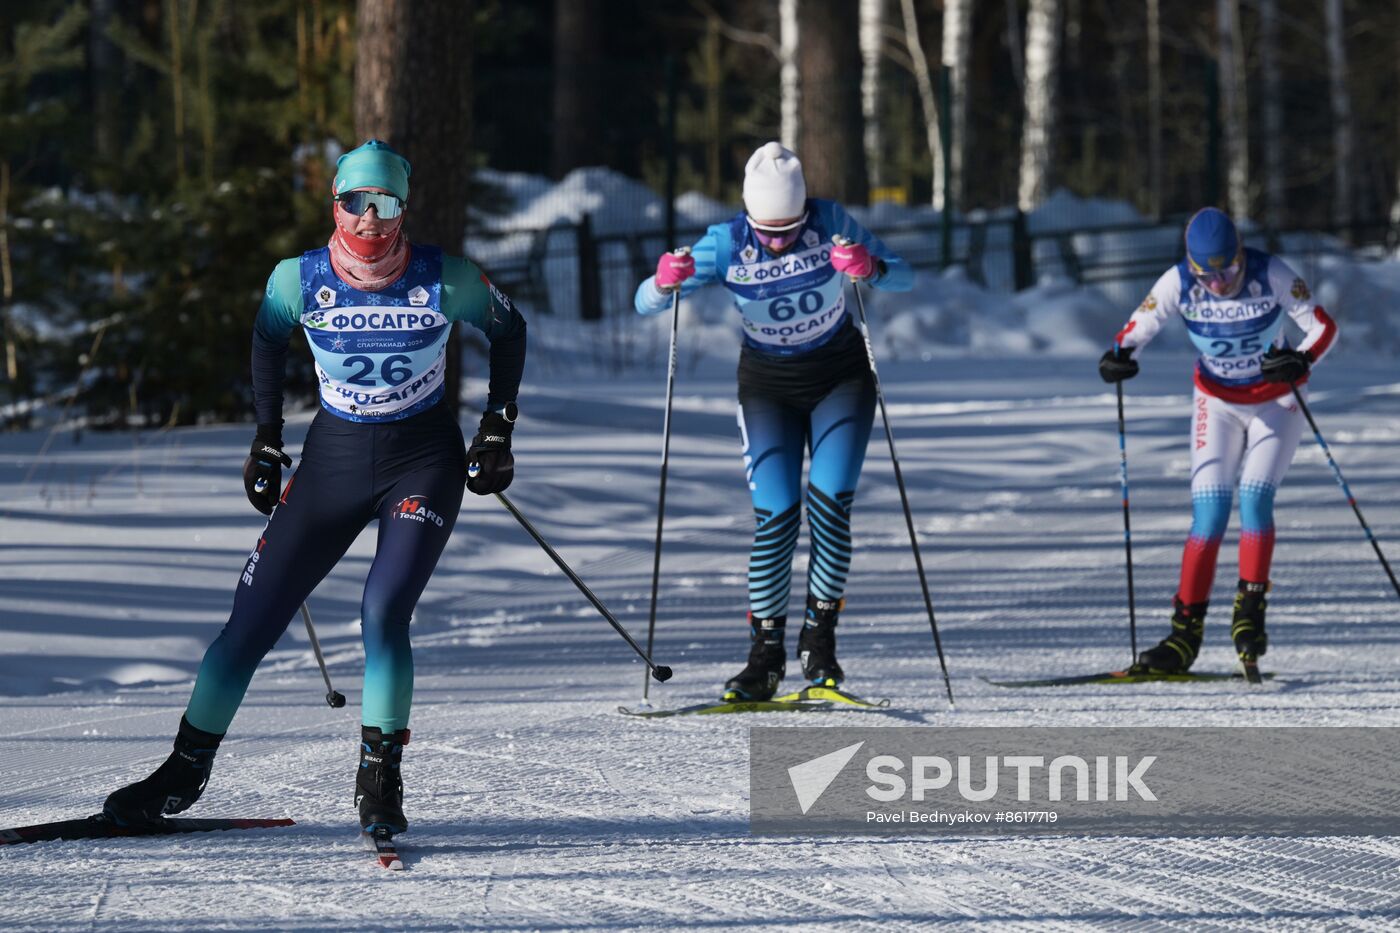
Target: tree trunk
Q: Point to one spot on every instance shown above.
(714, 110)
(1272, 105)
(791, 84)
(872, 23)
(1154, 107)
(957, 58)
(579, 88)
(927, 98)
(105, 71)
(1341, 115)
(1234, 106)
(831, 136)
(1395, 205)
(1042, 74)
(412, 82)
(1014, 45)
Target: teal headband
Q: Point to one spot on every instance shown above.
(373, 165)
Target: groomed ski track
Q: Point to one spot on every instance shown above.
(536, 806)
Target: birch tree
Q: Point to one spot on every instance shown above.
(789, 82)
(1233, 105)
(1042, 74)
(957, 58)
(872, 24)
(1340, 98)
(924, 80)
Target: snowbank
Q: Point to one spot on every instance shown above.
(946, 314)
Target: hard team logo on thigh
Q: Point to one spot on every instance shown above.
(415, 508)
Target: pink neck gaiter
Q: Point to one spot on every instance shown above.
(368, 263)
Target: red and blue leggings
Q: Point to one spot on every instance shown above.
(1255, 442)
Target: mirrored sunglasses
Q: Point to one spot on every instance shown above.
(357, 202)
(763, 229)
(1216, 277)
(775, 240)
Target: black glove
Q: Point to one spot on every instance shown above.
(490, 465)
(1117, 364)
(262, 471)
(1282, 364)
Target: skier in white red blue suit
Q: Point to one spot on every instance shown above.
(1245, 422)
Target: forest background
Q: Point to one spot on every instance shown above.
(159, 156)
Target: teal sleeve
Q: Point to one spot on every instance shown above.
(280, 311)
(708, 268)
(468, 295)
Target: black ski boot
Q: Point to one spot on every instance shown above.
(816, 646)
(760, 677)
(379, 786)
(1177, 652)
(171, 788)
(1247, 625)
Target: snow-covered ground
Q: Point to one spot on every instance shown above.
(536, 806)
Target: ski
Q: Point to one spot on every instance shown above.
(730, 706)
(834, 695)
(1249, 667)
(100, 827)
(1126, 677)
(386, 851)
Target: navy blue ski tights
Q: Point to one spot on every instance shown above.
(409, 475)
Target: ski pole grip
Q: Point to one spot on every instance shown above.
(681, 251)
(840, 240)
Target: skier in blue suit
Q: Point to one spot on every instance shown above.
(377, 311)
(804, 384)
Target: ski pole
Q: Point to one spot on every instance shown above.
(334, 698)
(1127, 526)
(899, 479)
(1346, 490)
(660, 671)
(665, 462)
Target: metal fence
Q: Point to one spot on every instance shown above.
(568, 269)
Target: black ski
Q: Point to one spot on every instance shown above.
(1249, 666)
(100, 827)
(1127, 677)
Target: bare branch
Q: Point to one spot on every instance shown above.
(735, 34)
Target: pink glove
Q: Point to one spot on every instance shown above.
(854, 260)
(673, 269)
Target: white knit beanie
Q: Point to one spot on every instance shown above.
(773, 185)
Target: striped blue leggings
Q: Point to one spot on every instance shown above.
(775, 433)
